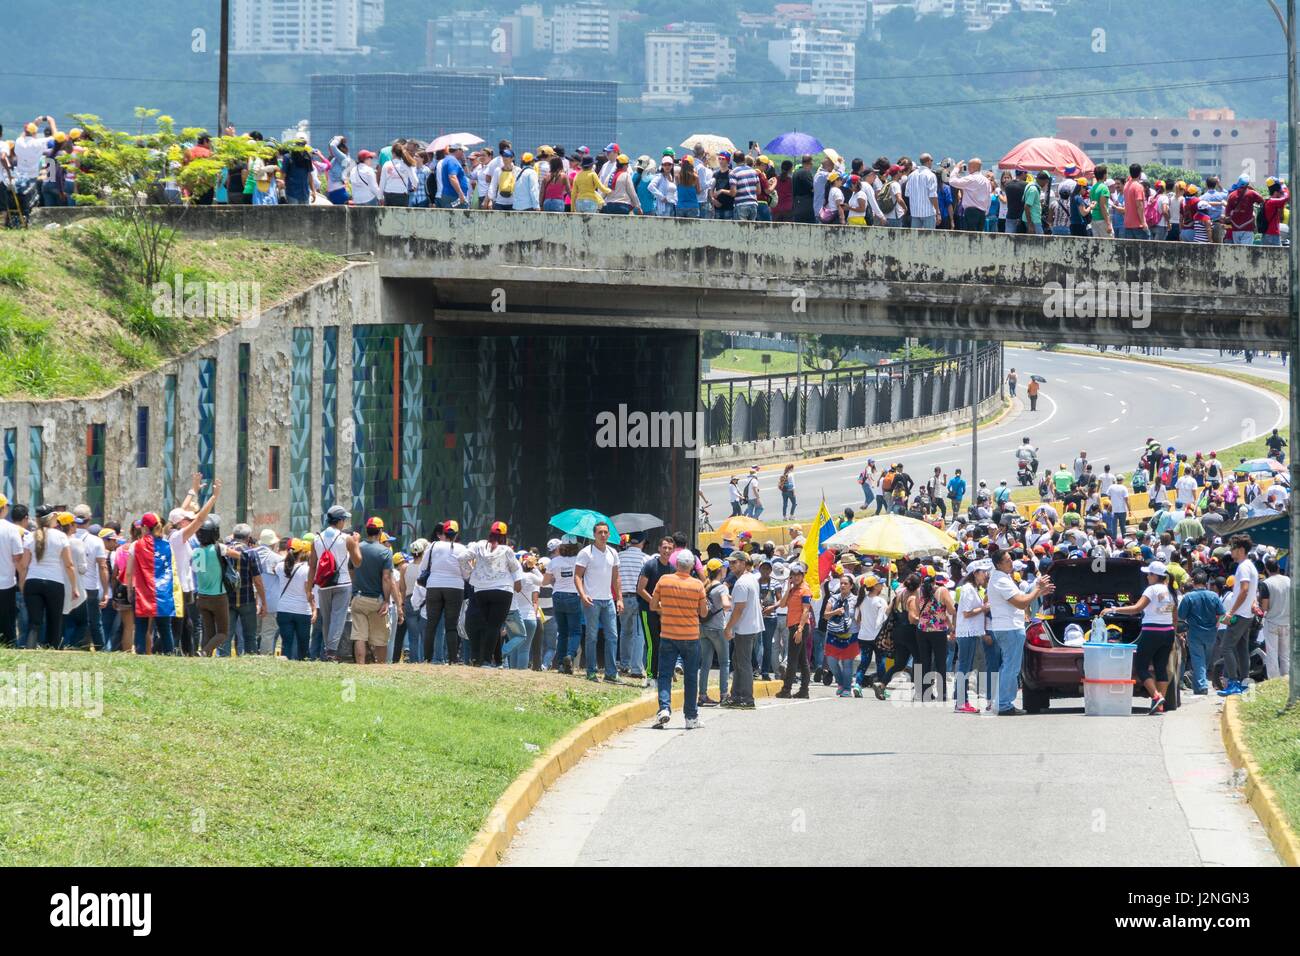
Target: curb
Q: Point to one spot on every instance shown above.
(923, 439)
(1259, 794)
(493, 838)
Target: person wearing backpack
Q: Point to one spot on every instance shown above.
(1154, 215)
(750, 494)
(330, 573)
(501, 193)
(785, 485)
(867, 479)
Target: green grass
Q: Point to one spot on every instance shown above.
(1275, 743)
(264, 761)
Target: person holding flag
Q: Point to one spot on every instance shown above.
(798, 599)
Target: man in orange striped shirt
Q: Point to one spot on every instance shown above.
(680, 602)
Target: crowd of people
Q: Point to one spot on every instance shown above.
(646, 608)
(40, 167)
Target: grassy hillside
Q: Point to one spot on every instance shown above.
(72, 322)
(260, 760)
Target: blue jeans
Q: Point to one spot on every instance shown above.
(84, 621)
(553, 205)
(692, 213)
(768, 664)
(617, 208)
(111, 627)
(754, 508)
(965, 661)
(162, 634)
(631, 642)
(764, 212)
(1131, 233)
(586, 205)
(688, 652)
(1268, 240)
(338, 196)
(788, 500)
(843, 669)
(1011, 648)
(295, 633)
(519, 640)
(568, 620)
(923, 222)
(819, 649)
(549, 632)
(600, 616)
(663, 208)
(748, 211)
(1199, 645)
(714, 644)
(1243, 237)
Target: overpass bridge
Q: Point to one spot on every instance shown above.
(648, 273)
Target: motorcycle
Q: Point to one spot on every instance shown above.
(1026, 472)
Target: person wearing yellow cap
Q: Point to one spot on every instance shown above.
(296, 601)
(528, 190)
(30, 152)
(622, 199)
(871, 613)
(13, 559)
(50, 578)
(713, 642)
(373, 592)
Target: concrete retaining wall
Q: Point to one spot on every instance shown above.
(848, 440)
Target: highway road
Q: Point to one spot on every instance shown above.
(1103, 405)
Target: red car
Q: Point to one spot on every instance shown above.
(1050, 669)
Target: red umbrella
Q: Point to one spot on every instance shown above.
(1044, 152)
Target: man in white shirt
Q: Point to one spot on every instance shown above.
(13, 560)
(332, 602)
(596, 577)
(1239, 604)
(1276, 604)
(705, 172)
(744, 627)
(750, 494)
(631, 642)
(923, 194)
(1185, 490)
(1118, 495)
(1007, 605)
(85, 620)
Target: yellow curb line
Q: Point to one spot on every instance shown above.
(1259, 794)
(912, 443)
(493, 838)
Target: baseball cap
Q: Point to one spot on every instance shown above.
(584, 150)
(65, 518)
(451, 524)
(870, 580)
(105, 533)
(374, 523)
(611, 147)
(740, 556)
(552, 544)
(149, 520)
(1155, 567)
(527, 157)
(179, 516)
(4, 502)
(365, 154)
(81, 514)
(508, 152)
(498, 527)
(337, 513)
(713, 565)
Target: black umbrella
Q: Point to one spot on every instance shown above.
(631, 523)
(1039, 379)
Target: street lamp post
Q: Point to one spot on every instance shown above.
(1293, 164)
(223, 77)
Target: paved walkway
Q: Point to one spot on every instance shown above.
(835, 782)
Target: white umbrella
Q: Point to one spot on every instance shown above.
(450, 139)
(893, 536)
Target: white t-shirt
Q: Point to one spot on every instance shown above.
(443, 561)
(733, 491)
(290, 595)
(95, 552)
(1006, 617)
(745, 590)
(529, 583)
(871, 617)
(11, 545)
(1185, 490)
(332, 540)
(1118, 498)
(495, 566)
(1104, 481)
(50, 566)
(561, 567)
(411, 585)
(1246, 581)
(1160, 605)
(598, 567)
(181, 552)
(79, 566)
(28, 153)
(365, 188)
(271, 564)
(1279, 601)
(969, 599)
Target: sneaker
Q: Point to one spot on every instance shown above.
(613, 679)
(1203, 692)
(1011, 712)
(857, 690)
(1233, 688)
(966, 708)
(637, 676)
(567, 667)
(661, 719)
(879, 689)
(802, 695)
(706, 702)
(692, 723)
(1157, 705)
(843, 693)
(744, 704)
(593, 677)
(677, 669)
(766, 677)
(783, 693)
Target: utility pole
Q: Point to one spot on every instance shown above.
(223, 77)
(974, 424)
(1293, 508)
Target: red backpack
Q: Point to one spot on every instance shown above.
(327, 567)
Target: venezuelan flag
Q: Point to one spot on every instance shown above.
(818, 560)
(157, 586)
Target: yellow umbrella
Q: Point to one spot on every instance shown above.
(732, 527)
(712, 143)
(893, 536)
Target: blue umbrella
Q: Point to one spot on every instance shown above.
(582, 522)
(794, 144)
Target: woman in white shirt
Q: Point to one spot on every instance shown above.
(443, 580)
(413, 598)
(560, 576)
(361, 177)
(295, 608)
(856, 207)
(397, 179)
(49, 575)
(972, 611)
(664, 188)
(1159, 613)
(521, 622)
(493, 570)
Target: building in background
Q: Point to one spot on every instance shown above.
(821, 62)
(373, 109)
(471, 41)
(1209, 141)
(331, 27)
(853, 17)
(584, 26)
(684, 57)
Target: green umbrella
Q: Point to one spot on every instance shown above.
(582, 522)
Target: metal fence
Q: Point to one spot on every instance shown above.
(760, 407)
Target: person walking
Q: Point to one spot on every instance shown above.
(785, 485)
(631, 641)
(443, 579)
(1032, 392)
(681, 604)
(655, 567)
(374, 592)
(295, 608)
(597, 578)
(493, 572)
(841, 634)
(751, 496)
(330, 572)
